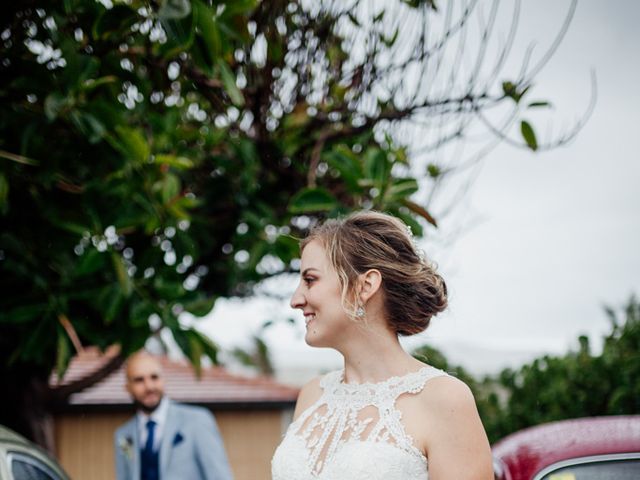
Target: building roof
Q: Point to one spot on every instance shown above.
(216, 387)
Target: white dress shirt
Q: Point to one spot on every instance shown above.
(159, 415)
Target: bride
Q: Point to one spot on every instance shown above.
(385, 415)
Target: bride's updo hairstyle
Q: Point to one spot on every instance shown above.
(413, 290)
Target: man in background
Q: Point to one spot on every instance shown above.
(166, 440)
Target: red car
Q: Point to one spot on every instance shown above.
(597, 448)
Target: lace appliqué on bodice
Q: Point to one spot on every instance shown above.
(354, 431)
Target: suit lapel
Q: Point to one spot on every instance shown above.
(171, 426)
(132, 437)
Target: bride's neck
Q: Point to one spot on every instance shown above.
(375, 357)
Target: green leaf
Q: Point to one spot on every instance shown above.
(179, 335)
(195, 344)
(539, 104)
(179, 207)
(229, 82)
(259, 250)
(420, 210)
(402, 188)
(63, 353)
(90, 262)
(209, 31)
(238, 7)
(113, 22)
(201, 306)
(168, 290)
(126, 285)
(411, 222)
(433, 170)
(89, 126)
(54, 104)
(401, 155)
(170, 187)
(523, 92)
(377, 167)
(111, 302)
(133, 144)
(353, 19)
(174, 9)
(247, 151)
(509, 89)
(66, 225)
(312, 200)
(4, 194)
(80, 67)
(180, 36)
(71, 6)
(529, 135)
(243, 357)
(181, 163)
(286, 247)
(93, 83)
(139, 313)
(23, 314)
(392, 39)
(417, 3)
(347, 164)
(195, 352)
(209, 347)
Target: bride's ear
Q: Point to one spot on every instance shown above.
(369, 283)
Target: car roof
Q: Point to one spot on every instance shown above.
(11, 441)
(528, 451)
(9, 436)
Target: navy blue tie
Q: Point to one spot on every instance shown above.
(151, 427)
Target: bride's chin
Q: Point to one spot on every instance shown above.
(311, 338)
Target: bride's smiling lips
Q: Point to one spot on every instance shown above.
(309, 317)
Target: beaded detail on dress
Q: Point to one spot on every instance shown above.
(354, 431)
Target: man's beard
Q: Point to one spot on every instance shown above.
(146, 408)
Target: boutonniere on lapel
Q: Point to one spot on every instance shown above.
(177, 439)
(126, 445)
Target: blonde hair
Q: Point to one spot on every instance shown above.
(413, 290)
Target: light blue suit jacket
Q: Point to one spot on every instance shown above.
(190, 448)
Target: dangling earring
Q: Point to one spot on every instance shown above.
(360, 311)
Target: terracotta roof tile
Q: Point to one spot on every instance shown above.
(215, 386)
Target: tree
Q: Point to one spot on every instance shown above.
(158, 155)
(578, 384)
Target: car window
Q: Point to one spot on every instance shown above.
(26, 467)
(603, 470)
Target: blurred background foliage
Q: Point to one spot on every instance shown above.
(580, 383)
(158, 155)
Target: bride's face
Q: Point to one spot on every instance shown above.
(319, 297)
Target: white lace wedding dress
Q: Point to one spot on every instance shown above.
(354, 432)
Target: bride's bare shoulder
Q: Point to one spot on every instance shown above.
(442, 391)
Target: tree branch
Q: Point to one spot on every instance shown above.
(62, 393)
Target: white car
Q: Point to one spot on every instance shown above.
(21, 459)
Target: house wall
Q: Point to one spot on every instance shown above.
(84, 442)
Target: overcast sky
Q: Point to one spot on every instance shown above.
(556, 235)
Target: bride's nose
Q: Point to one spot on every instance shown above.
(297, 299)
